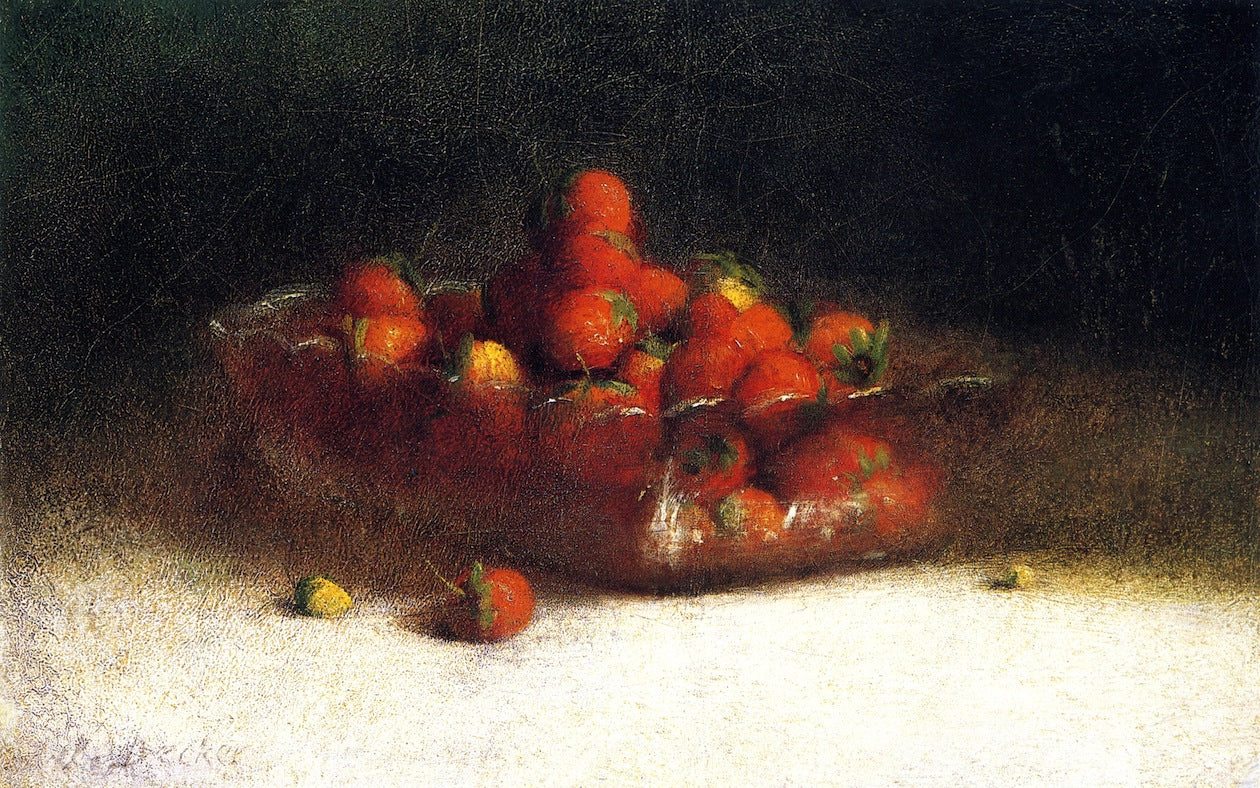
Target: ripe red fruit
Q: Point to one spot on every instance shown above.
(711, 457)
(644, 368)
(710, 315)
(850, 348)
(771, 393)
(591, 199)
(760, 327)
(902, 504)
(702, 369)
(385, 347)
(659, 295)
(751, 515)
(374, 287)
(491, 604)
(587, 329)
(828, 466)
(830, 327)
(601, 258)
(595, 433)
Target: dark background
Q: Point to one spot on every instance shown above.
(1080, 176)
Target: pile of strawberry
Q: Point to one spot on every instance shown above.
(587, 369)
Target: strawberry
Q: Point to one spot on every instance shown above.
(710, 315)
(772, 392)
(760, 327)
(587, 329)
(702, 370)
(378, 286)
(827, 466)
(659, 295)
(319, 597)
(711, 458)
(644, 368)
(488, 604)
(588, 200)
(385, 347)
(850, 348)
(455, 309)
(724, 274)
(483, 362)
(600, 258)
(594, 432)
(902, 504)
(750, 514)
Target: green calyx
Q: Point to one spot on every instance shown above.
(622, 310)
(865, 361)
(456, 364)
(400, 264)
(726, 265)
(730, 517)
(656, 347)
(716, 451)
(482, 591)
(870, 465)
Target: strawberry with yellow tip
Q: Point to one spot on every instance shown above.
(723, 273)
(484, 362)
(318, 597)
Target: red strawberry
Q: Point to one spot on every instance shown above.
(849, 347)
(659, 295)
(710, 315)
(590, 199)
(595, 433)
(587, 329)
(751, 515)
(701, 369)
(374, 287)
(644, 368)
(385, 347)
(601, 258)
(902, 503)
(827, 466)
(488, 604)
(711, 458)
(760, 327)
(771, 394)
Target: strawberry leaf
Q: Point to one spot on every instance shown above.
(695, 460)
(617, 387)
(842, 354)
(865, 464)
(882, 458)
(860, 341)
(656, 347)
(622, 310)
(723, 451)
(358, 335)
(463, 355)
(482, 591)
(730, 517)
